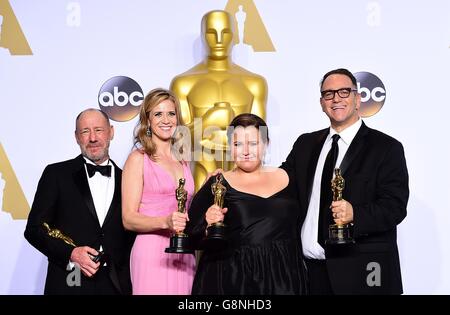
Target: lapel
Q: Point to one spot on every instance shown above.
(80, 179)
(355, 147)
(315, 152)
(116, 200)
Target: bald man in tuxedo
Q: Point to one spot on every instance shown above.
(81, 198)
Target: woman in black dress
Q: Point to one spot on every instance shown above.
(262, 254)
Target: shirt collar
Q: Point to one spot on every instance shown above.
(90, 162)
(348, 133)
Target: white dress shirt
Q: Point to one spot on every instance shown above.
(102, 190)
(311, 248)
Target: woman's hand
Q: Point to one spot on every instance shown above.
(176, 221)
(215, 214)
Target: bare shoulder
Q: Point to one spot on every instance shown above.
(135, 158)
(137, 154)
(277, 174)
(272, 170)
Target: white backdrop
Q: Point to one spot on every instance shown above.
(78, 45)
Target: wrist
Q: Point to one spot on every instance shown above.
(71, 258)
(165, 223)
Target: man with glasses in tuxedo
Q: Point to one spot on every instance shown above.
(374, 198)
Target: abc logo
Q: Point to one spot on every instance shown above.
(373, 93)
(120, 98)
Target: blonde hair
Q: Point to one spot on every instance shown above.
(145, 142)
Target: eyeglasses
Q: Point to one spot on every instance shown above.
(343, 93)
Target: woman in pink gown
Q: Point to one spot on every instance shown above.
(149, 206)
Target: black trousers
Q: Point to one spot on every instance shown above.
(318, 279)
(99, 284)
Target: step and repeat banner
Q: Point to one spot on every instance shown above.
(60, 57)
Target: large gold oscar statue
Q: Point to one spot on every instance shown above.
(213, 92)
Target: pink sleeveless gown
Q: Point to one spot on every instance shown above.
(152, 270)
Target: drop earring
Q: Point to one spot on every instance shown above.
(149, 132)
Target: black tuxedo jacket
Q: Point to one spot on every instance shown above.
(63, 200)
(376, 184)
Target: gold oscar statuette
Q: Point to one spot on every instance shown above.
(339, 233)
(215, 233)
(55, 233)
(179, 242)
(213, 92)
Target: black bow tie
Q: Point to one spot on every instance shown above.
(104, 170)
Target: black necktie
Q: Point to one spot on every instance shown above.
(104, 170)
(325, 216)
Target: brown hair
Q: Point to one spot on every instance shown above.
(247, 120)
(151, 100)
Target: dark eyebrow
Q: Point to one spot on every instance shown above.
(343, 88)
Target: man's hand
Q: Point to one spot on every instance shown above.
(82, 257)
(342, 212)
